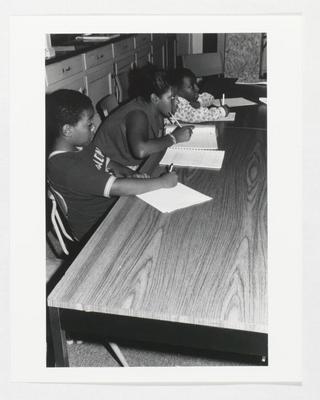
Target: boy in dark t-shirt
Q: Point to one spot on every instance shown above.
(88, 180)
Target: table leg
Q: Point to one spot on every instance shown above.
(58, 338)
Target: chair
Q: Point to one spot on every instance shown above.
(60, 230)
(106, 105)
(204, 64)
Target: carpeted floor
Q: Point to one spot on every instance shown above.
(91, 354)
(97, 355)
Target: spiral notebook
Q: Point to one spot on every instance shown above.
(203, 137)
(199, 152)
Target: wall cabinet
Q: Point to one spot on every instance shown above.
(159, 50)
(99, 75)
(142, 49)
(171, 51)
(124, 60)
(105, 70)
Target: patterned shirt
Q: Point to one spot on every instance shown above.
(185, 112)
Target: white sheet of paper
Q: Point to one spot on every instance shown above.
(234, 102)
(207, 159)
(203, 137)
(263, 100)
(168, 200)
(251, 83)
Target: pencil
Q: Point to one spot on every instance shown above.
(223, 99)
(170, 168)
(175, 120)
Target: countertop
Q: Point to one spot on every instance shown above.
(83, 47)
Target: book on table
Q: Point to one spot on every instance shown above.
(199, 152)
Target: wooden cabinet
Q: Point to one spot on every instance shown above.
(98, 56)
(98, 75)
(100, 83)
(75, 83)
(66, 74)
(90, 73)
(64, 69)
(105, 70)
(142, 49)
(159, 50)
(124, 59)
(171, 51)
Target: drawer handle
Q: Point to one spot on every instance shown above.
(67, 69)
(100, 56)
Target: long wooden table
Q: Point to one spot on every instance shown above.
(196, 277)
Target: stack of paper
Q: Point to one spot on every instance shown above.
(234, 102)
(251, 83)
(168, 200)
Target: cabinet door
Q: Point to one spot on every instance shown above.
(75, 83)
(123, 48)
(143, 56)
(171, 52)
(99, 82)
(158, 56)
(98, 56)
(123, 85)
(122, 68)
(64, 69)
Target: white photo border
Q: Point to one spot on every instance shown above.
(27, 197)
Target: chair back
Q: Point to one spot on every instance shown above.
(59, 204)
(204, 64)
(106, 105)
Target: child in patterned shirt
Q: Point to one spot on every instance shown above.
(190, 106)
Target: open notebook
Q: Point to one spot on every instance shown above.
(168, 200)
(199, 152)
(203, 137)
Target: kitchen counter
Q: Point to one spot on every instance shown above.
(83, 47)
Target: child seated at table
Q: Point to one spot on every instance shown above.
(136, 129)
(190, 106)
(85, 177)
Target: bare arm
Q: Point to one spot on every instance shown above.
(133, 186)
(137, 135)
(119, 170)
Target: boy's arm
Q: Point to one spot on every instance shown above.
(118, 169)
(134, 186)
(137, 134)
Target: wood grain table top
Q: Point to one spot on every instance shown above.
(203, 265)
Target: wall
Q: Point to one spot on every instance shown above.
(242, 56)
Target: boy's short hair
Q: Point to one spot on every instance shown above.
(65, 107)
(176, 76)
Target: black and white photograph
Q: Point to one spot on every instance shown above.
(157, 240)
(156, 199)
